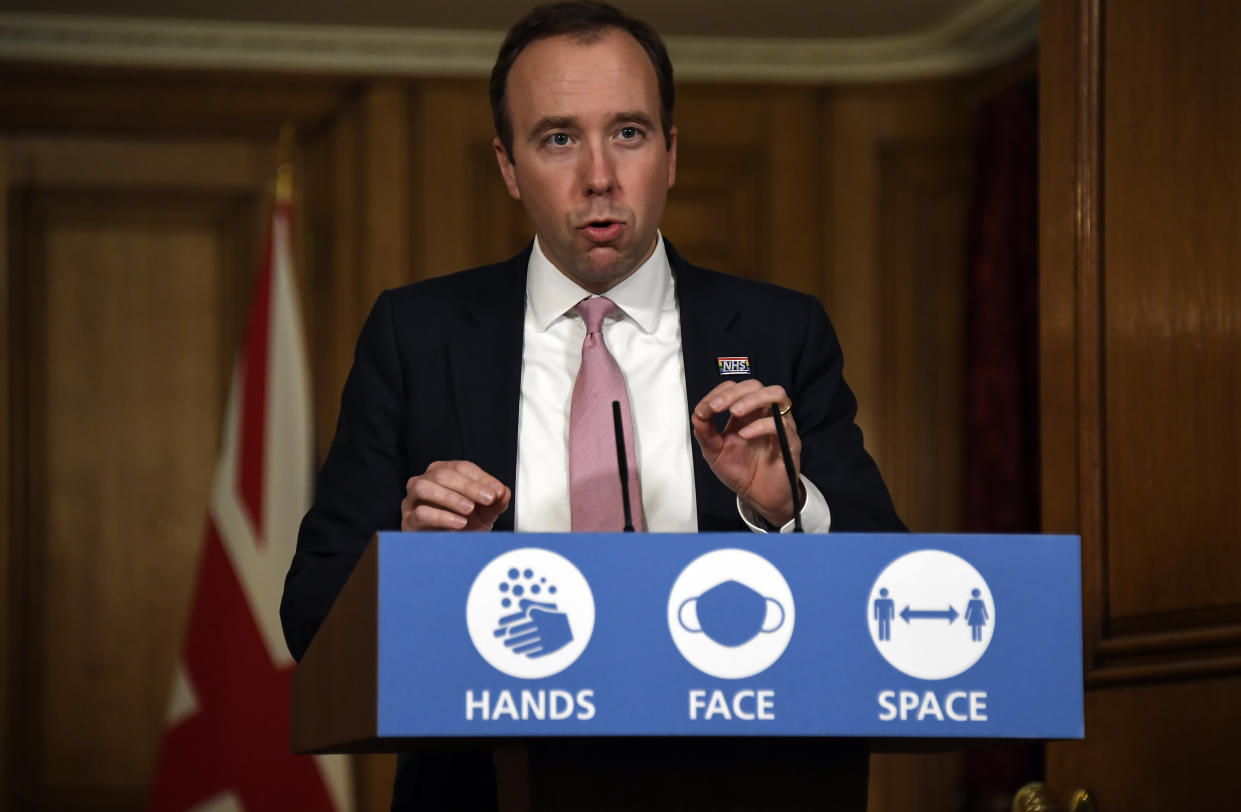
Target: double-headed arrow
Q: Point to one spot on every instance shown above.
(908, 614)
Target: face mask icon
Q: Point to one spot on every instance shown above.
(731, 614)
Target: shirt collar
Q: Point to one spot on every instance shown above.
(552, 295)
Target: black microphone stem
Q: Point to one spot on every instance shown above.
(622, 465)
(787, 454)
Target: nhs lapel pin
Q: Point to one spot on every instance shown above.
(734, 365)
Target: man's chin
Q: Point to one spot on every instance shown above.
(602, 268)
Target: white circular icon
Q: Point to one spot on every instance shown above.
(931, 614)
(730, 613)
(530, 613)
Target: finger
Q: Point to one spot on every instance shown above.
(708, 436)
(426, 491)
(429, 517)
(759, 399)
(465, 481)
(723, 396)
(489, 513)
(765, 426)
(484, 483)
(702, 409)
(760, 427)
(408, 504)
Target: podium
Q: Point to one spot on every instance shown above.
(751, 670)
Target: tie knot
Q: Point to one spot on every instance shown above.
(594, 310)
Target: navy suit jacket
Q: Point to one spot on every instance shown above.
(437, 376)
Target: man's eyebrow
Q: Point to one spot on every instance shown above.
(637, 117)
(551, 123)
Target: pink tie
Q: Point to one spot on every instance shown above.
(594, 481)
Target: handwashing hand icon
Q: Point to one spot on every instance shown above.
(537, 630)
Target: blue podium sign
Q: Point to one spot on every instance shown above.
(938, 636)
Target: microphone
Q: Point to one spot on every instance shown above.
(787, 454)
(622, 465)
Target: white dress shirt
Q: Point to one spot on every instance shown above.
(644, 335)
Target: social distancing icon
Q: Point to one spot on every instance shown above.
(931, 614)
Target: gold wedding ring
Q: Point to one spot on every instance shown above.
(786, 409)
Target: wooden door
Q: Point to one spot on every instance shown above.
(1141, 363)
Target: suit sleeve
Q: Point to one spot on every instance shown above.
(833, 456)
(361, 485)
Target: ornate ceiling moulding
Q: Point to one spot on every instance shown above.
(984, 33)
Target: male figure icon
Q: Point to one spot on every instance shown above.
(884, 611)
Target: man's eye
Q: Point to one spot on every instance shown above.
(558, 139)
(629, 133)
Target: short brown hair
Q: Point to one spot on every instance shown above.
(588, 21)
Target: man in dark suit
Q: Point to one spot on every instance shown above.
(456, 413)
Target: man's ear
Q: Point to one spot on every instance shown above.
(506, 168)
(672, 156)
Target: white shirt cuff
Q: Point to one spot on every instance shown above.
(815, 516)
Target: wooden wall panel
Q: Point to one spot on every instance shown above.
(127, 432)
(344, 159)
(465, 216)
(897, 216)
(1150, 300)
(335, 303)
(384, 169)
(1172, 311)
(124, 260)
(1154, 747)
(90, 99)
(925, 192)
(741, 203)
(717, 212)
(9, 626)
(1141, 200)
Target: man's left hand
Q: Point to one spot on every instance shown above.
(746, 455)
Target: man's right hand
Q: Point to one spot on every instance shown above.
(455, 495)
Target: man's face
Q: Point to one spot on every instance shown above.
(589, 161)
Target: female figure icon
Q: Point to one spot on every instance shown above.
(976, 616)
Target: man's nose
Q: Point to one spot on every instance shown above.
(599, 170)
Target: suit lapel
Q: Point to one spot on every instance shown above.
(707, 319)
(484, 362)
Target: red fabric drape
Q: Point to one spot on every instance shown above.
(1001, 477)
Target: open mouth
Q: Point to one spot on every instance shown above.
(602, 231)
